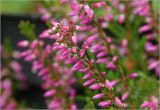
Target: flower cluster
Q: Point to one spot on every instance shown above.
(103, 48)
(11, 73)
(58, 80)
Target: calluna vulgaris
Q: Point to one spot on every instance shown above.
(11, 73)
(103, 47)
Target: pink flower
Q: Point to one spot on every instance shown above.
(45, 34)
(98, 96)
(49, 93)
(98, 4)
(111, 66)
(43, 72)
(34, 44)
(105, 103)
(121, 19)
(90, 40)
(16, 66)
(133, 75)
(150, 48)
(25, 53)
(82, 52)
(125, 96)
(118, 102)
(95, 86)
(89, 82)
(102, 60)
(23, 43)
(154, 103)
(144, 28)
(101, 54)
(103, 73)
(73, 107)
(113, 83)
(54, 104)
(74, 39)
(11, 105)
(63, 1)
(84, 28)
(77, 66)
(109, 85)
(30, 57)
(88, 75)
(88, 11)
(109, 17)
(145, 104)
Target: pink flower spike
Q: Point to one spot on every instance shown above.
(98, 96)
(89, 82)
(105, 103)
(118, 102)
(23, 43)
(133, 75)
(88, 75)
(145, 104)
(88, 11)
(125, 96)
(95, 87)
(109, 85)
(49, 93)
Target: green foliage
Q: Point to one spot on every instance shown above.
(27, 29)
(90, 104)
(156, 5)
(99, 12)
(7, 45)
(143, 88)
(17, 6)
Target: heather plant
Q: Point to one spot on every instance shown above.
(109, 47)
(12, 77)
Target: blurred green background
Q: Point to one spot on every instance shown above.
(18, 6)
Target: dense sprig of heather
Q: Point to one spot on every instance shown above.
(11, 73)
(108, 62)
(57, 79)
